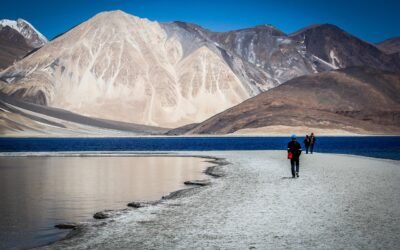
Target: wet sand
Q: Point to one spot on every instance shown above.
(339, 202)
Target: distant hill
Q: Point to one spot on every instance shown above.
(390, 46)
(341, 49)
(356, 99)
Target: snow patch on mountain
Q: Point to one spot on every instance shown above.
(330, 65)
(334, 59)
(33, 37)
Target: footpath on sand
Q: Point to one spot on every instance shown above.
(338, 202)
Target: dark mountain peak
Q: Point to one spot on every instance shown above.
(341, 49)
(327, 27)
(262, 28)
(393, 39)
(390, 46)
(190, 26)
(10, 34)
(258, 28)
(13, 46)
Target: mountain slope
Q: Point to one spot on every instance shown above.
(390, 46)
(357, 99)
(120, 67)
(264, 48)
(32, 36)
(17, 39)
(12, 47)
(341, 49)
(18, 118)
(269, 49)
(310, 50)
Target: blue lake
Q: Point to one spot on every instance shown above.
(377, 146)
(71, 192)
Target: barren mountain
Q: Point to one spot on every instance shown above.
(328, 43)
(390, 46)
(17, 39)
(120, 67)
(356, 99)
(314, 49)
(12, 47)
(32, 36)
(267, 48)
(18, 118)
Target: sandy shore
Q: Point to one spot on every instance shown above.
(339, 202)
(279, 130)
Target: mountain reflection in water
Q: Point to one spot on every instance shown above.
(39, 192)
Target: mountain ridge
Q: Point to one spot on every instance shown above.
(120, 67)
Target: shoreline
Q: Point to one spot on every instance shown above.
(156, 216)
(212, 171)
(233, 135)
(172, 153)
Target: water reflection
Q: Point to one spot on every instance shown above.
(39, 192)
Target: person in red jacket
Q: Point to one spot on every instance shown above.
(294, 152)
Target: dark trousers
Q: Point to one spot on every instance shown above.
(311, 148)
(307, 147)
(295, 163)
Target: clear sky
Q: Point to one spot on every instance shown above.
(371, 20)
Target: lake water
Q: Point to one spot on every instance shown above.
(40, 192)
(376, 146)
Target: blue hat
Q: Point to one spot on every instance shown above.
(294, 136)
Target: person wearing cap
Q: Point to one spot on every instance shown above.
(294, 152)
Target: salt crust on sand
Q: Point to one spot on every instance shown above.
(339, 202)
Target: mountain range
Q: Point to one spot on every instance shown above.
(126, 69)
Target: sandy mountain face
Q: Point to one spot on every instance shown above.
(19, 118)
(119, 67)
(17, 39)
(329, 100)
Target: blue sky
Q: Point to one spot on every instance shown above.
(371, 20)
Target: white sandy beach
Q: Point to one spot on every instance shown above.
(339, 202)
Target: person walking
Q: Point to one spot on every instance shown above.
(307, 143)
(312, 142)
(294, 152)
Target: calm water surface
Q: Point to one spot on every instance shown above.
(372, 146)
(39, 192)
